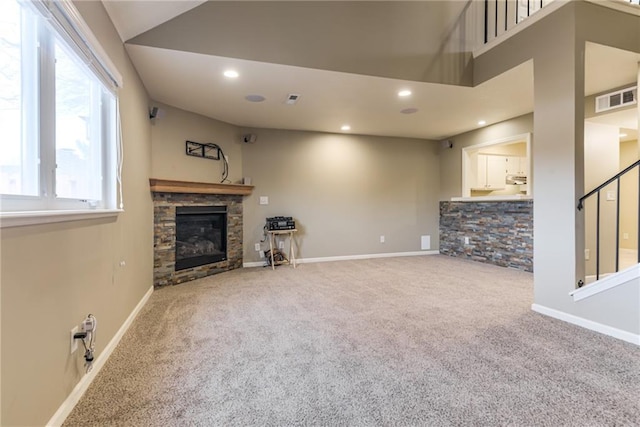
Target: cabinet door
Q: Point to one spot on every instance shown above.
(524, 166)
(513, 165)
(481, 180)
(496, 171)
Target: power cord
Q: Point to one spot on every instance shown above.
(89, 326)
(221, 156)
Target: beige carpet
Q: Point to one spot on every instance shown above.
(428, 341)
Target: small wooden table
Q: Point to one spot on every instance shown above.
(272, 237)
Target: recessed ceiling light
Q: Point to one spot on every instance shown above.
(622, 135)
(409, 110)
(482, 123)
(404, 93)
(345, 127)
(232, 74)
(255, 98)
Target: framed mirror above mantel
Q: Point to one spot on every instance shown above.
(499, 168)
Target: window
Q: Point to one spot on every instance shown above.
(58, 112)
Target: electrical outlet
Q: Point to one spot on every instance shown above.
(381, 239)
(257, 247)
(587, 254)
(466, 240)
(625, 236)
(264, 200)
(280, 245)
(74, 342)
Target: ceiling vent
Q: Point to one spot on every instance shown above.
(292, 98)
(617, 99)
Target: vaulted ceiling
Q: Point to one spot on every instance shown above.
(347, 61)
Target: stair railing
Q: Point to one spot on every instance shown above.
(501, 15)
(596, 191)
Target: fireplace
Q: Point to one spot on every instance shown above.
(201, 236)
(168, 209)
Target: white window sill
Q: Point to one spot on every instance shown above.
(20, 219)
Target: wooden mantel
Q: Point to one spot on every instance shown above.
(168, 186)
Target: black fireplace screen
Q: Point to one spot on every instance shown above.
(201, 235)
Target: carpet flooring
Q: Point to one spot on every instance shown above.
(420, 341)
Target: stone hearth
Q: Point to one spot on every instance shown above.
(164, 241)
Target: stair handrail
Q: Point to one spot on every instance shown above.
(604, 184)
(596, 191)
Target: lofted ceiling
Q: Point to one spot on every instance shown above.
(346, 71)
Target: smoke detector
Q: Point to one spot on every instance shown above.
(292, 98)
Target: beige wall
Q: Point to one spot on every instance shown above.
(173, 127)
(601, 162)
(557, 46)
(629, 196)
(451, 158)
(344, 191)
(54, 275)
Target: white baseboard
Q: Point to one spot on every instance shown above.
(78, 391)
(588, 324)
(348, 258)
(608, 281)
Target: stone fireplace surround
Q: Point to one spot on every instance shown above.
(167, 195)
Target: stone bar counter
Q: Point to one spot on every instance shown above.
(498, 232)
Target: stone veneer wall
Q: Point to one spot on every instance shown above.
(164, 232)
(499, 233)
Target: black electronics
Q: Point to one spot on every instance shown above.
(280, 223)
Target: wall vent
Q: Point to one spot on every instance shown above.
(292, 98)
(617, 99)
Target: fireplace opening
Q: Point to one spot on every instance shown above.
(201, 235)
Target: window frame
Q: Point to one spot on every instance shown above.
(60, 22)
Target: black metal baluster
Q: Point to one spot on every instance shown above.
(486, 21)
(598, 236)
(506, 13)
(495, 25)
(597, 191)
(618, 227)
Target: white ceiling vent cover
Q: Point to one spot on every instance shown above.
(617, 99)
(292, 98)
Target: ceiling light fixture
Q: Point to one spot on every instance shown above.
(232, 74)
(409, 110)
(482, 123)
(255, 98)
(404, 93)
(345, 127)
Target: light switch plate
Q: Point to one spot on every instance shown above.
(264, 200)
